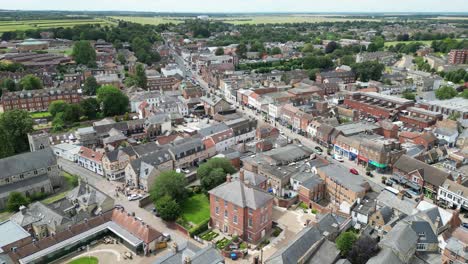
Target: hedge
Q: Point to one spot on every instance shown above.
(199, 228)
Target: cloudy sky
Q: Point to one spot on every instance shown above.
(243, 5)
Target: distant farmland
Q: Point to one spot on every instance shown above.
(238, 20)
(38, 24)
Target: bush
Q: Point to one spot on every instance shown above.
(277, 231)
(168, 208)
(15, 200)
(314, 211)
(199, 228)
(303, 206)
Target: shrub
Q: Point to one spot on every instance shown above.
(277, 231)
(303, 206)
(314, 211)
(199, 228)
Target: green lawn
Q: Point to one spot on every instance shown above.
(196, 209)
(40, 115)
(425, 42)
(39, 24)
(85, 260)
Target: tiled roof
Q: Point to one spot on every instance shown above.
(90, 154)
(242, 195)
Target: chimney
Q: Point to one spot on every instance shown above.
(241, 175)
(228, 178)
(22, 209)
(175, 248)
(187, 260)
(459, 180)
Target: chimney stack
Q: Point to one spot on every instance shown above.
(459, 179)
(175, 248)
(22, 209)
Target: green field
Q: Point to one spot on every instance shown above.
(237, 20)
(37, 115)
(84, 260)
(44, 24)
(196, 209)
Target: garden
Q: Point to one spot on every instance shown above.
(84, 260)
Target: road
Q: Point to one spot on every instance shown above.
(108, 187)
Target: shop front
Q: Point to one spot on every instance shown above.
(378, 166)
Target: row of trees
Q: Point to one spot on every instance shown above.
(168, 190)
(28, 82)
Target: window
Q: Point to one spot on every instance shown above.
(225, 203)
(217, 199)
(225, 213)
(250, 222)
(421, 246)
(250, 211)
(217, 210)
(235, 219)
(235, 208)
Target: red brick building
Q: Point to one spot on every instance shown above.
(377, 105)
(38, 100)
(238, 209)
(330, 76)
(458, 56)
(419, 117)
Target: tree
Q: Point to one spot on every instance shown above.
(213, 172)
(58, 123)
(241, 51)
(140, 76)
(331, 46)
(72, 113)
(90, 86)
(368, 70)
(363, 249)
(345, 241)
(121, 58)
(308, 47)
(84, 53)
(112, 100)
(30, 82)
(169, 183)
(408, 94)
(347, 60)
(454, 116)
(56, 107)
(90, 107)
(464, 94)
(9, 84)
(219, 51)
(14, 128)
(275, 51)
(445, 92)
(15, 200)
(168, 208)
(131, 81)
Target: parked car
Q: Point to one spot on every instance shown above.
(354, 171)
(133, 197)
(407, 194)
(338, 157)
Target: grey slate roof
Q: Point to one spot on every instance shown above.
(422, 227)
(214, 129)
(342, 175)
(38, 213)
(430, 174)
(241, 195)
(405, 206)
(385, 256)
(295, 249)
(386, 213)
(401, 238)
(29, 161)
(206, 255)
(113, 155)
(327, 253)
(25, 185)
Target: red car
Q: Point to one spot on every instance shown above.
(354, 171)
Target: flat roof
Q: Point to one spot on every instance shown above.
(11, 232)
(422, 111)
(390, 98)
(355, 128)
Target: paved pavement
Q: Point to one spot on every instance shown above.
(108, 187)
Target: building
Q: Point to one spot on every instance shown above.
(214, 105)
(419, 176)
(29, 173)
(340, 76)
(454, 194)
(419, 118)
(190, 253)
(162, 83)
(458, 56)
(66, 151)
(377, 105)
(188, 152)
(38, 140)
(38, 100)
(91, 160)
(124, 226)
(238, 209)
(114, 162)
(454, 106)
(455, 250)
(29, 45)
(342, 187)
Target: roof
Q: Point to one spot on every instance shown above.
(385, 256)
(386, 213)
(133, 225)
(114, 155)
(11, 232)
(430, 174)
(423, 227)
(297, 247)
(206, 255)
(27, 162)
(214, 129)
(342, 176)
(91, 154)
(401, 238)
(241, 195)
(38, 213)
(389, 199)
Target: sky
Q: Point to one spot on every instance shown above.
(227, 6)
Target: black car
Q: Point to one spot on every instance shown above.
(318, 149)
(406, 194)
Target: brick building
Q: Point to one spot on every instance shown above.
(419, 117)
(377, 105)
(38, 100)
(238, 209)
(331, 76)
(458, 56)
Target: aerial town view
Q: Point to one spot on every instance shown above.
(257, 132)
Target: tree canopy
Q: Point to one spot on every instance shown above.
(14, 127)
(169, 183)
(219, 51)
(362, 250)
(140, 76)
(345, 241)
(368, 70)
(84, 53)
(15, 200)
(30, 82)
(213, 172)
(113, 100)
(90, 107)
(90, 86)
(168, 208)
(445, 92)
